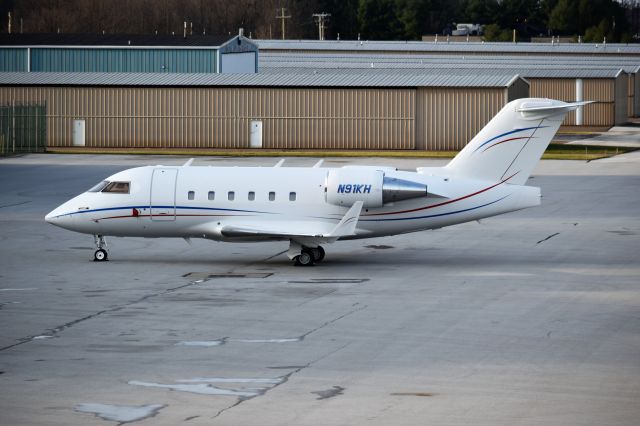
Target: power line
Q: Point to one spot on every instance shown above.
(321, 19)
(282, 16)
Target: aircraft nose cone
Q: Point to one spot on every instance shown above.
(50, 217)
(56, 216)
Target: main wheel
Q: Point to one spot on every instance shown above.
(304, 259)
(318, 254)
(100, 255)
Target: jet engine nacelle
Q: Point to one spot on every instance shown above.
(346, 186)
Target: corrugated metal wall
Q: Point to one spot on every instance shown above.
(610, 96)
(602, 111)
(220, 117)
(556, 88)
(13, 59)
(448, 118)
(123, 60)
(334, 118)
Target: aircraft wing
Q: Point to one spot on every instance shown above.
(299, 229)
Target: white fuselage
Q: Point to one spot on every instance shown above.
(198, 202)
(314, 206)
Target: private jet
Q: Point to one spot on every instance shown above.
(314, 206)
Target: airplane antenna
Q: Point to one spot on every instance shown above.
(279, 163)
(188, 163)
(318, 164)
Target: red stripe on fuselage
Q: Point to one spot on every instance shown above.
(445, 202)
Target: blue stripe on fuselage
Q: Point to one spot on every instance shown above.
(434, 215)
(161, 207)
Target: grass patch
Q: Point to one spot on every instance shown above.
(553, 152)
(255, 152)
(584, 153)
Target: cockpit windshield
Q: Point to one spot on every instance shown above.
(117, 187)
(99, 187)
(113, 187)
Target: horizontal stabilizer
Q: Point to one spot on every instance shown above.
(541, 109)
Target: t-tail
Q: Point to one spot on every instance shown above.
(511, 144)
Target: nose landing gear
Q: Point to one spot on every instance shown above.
(100, 255)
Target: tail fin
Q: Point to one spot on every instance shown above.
(512, 143)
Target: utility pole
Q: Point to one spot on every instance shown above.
(282, 16)
(321, 19)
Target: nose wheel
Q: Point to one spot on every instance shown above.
(100, 255)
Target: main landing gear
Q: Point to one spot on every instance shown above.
(100, 255)
(305, 256)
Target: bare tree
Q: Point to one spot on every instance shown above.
(220, 17)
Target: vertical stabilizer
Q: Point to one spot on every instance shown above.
(512, 143)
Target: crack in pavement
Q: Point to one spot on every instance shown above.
(286, 377)
(15, 204)
(548, 238)
(52, 332)
(56, 330)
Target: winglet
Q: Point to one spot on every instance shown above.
(188, 163)
(347, 226)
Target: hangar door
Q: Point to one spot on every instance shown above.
(238, 63)
(163, 194)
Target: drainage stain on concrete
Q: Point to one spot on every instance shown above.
(379, 246)
(296, 339)
(331, 281)
(329, 393)
(225, 340)
(205, 386)
(203, 343)
(120, 413)
(425, 394)
(622, 233)
(214, 275)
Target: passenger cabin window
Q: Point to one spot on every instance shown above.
(272, 196)
(212, 195)
(231, 195)
(99, 187)
(252, 196)
(117, 187)
(292, 196)
(191, 195)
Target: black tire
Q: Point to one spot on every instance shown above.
(318, 254)
(100, 255)
(304, 259)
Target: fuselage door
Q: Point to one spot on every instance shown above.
(163, 194)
